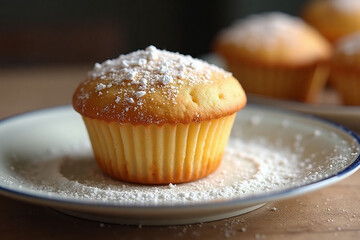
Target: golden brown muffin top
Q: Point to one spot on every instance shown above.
(333, 18)
(154, 86)
(347, 53)
(273, 39)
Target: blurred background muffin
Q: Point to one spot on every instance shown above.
(345, 69)
(333, 18)
(276, 55)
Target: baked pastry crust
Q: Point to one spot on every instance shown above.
(155, 87)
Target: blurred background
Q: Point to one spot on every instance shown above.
(47, 47)
(86, 31)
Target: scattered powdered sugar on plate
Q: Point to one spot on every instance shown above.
(248, 168)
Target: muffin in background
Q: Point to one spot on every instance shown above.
(276, 55)
(157, 117)
(345, 69)
(334, 19)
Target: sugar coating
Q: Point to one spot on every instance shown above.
(149, 67)
(265, 30)
(346, 6)
(349, 45)
(131, 78)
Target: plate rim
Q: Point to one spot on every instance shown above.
(65, 203)
(306, 108)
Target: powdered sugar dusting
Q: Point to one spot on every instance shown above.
(248, 168)
(152, 66)
(349, 45)
(129, 80)
(346, 6)
(266, 29)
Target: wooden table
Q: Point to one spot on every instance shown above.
(330, 213)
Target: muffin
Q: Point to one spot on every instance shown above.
(345, 69)
(276, 55)
(157, 117)
(334, 19)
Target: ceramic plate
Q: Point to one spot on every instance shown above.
(46, 159)
(348, 116)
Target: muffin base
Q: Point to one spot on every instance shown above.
(298, 84)
(153, 154)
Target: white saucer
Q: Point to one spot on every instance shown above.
(348, 116)
(324, 154)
